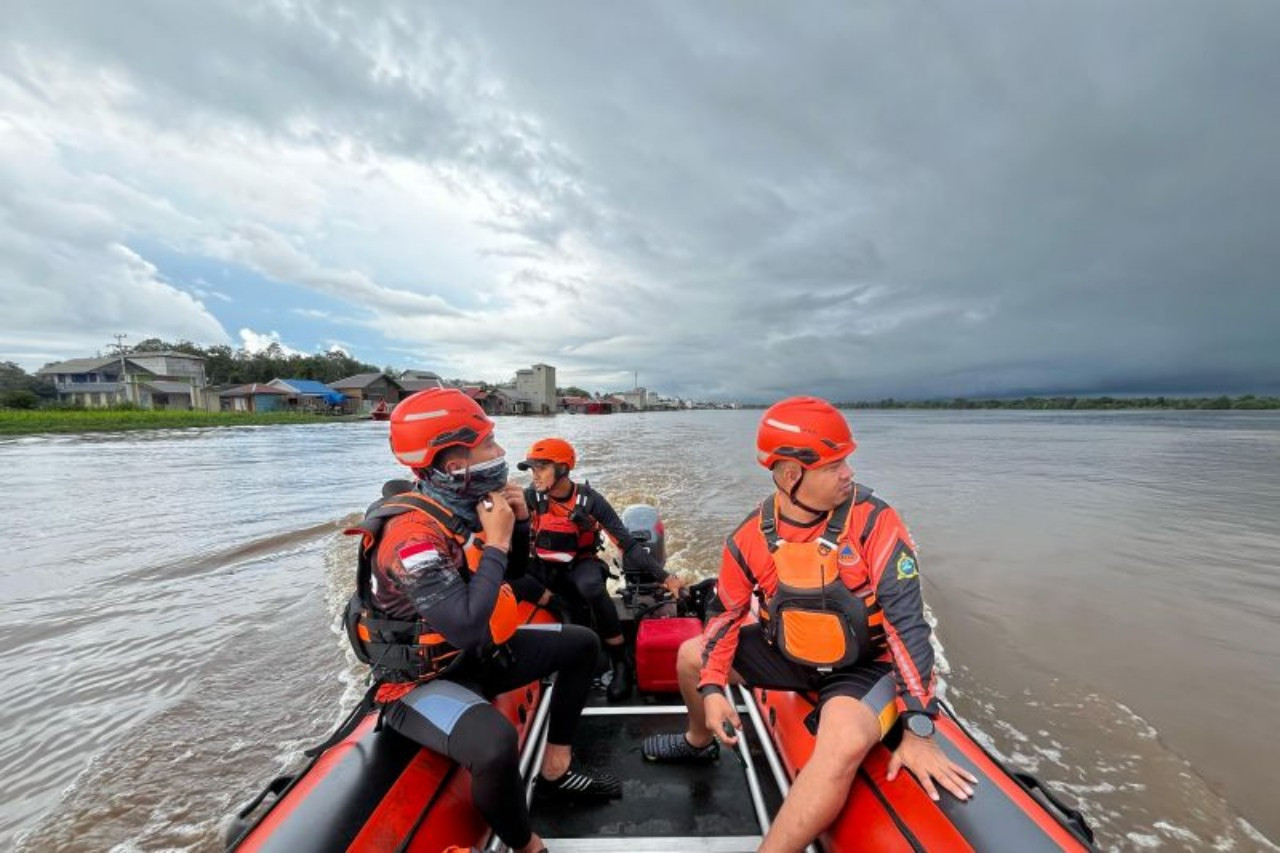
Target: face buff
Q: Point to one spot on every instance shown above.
(461, 491)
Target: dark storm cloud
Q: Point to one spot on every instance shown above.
(1059, 198)
(906, 199)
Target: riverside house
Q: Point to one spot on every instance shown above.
(148, 380)
(253, 398)
(309, 395)
(367, 390)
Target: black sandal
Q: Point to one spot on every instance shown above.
(675, 748)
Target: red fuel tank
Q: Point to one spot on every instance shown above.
(657, 641)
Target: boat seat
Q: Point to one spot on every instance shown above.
(662, 844)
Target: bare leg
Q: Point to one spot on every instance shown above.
(688, 671)
(535, 844)
(555, 761)
(847, 730)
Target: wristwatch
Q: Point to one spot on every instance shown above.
(920, 725)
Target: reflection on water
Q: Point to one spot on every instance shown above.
(1105, 587)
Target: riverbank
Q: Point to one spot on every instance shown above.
(18, 422)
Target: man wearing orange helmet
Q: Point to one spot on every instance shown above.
(434, 619)
(565, 526)
(832, 573)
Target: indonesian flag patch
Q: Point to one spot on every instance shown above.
(417, 555)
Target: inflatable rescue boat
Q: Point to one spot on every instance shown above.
(374, 790)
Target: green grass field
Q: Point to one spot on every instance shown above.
(18, 422)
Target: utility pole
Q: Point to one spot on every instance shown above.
(123, 378)
(636, 383)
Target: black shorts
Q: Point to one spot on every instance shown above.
(760, 664)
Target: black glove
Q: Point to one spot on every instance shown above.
(555, 606)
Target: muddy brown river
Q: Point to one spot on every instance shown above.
(1106, 589)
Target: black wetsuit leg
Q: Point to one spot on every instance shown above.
(587, 577)
(454, 720)
(453, 716)
(539, 650)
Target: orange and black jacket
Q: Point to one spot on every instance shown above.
(421, 570)
(885, 565)
(603, 517)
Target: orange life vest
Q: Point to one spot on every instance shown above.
(813, 617)
(409, 650)
(561, 539)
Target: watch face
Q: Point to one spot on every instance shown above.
(920, 725)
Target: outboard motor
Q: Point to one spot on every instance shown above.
(645, 526)
(660, 629)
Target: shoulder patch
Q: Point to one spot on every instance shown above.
(906, 565)
(417, 555)
(847, 556)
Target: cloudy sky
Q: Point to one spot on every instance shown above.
(737, 200)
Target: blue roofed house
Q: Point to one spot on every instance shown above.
(310, 395)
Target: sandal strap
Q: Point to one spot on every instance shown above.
(577, 782)
(676, 747)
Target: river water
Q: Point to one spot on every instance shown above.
(1106, 588)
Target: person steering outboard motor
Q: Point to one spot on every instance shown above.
(566, 521)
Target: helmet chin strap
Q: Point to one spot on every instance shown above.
(562, 474)
(791, 496)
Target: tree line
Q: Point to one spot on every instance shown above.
(224, 365)
(1245, 401)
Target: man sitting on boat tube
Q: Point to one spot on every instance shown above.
(832, 573)
(565, 524)
(435, 620)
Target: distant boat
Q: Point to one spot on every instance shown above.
(381, 412)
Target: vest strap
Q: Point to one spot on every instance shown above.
(830, 536)
(769, 522)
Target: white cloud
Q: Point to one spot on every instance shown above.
(314, 314)
(276, 257)
(255, 342)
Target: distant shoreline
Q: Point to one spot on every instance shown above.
(1104, 403)
(16, 422)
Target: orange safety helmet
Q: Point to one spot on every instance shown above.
(555, 450)
(428, 421)
(807, 430)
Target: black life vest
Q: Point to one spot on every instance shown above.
(409, 650)
(560, 539)
(813, 617)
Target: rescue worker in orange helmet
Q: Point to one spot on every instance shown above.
(832, 573)
(435, 620)
(567, 519)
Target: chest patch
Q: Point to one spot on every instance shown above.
(847, 556)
